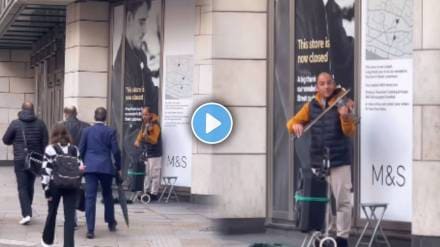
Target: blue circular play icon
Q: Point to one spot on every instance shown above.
(211, 123)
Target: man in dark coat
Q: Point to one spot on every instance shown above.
(75, 128)
(73, 124)
(36, 135)
(98, 147)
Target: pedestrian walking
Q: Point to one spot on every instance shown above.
(26, 134)
(98, 147)
(75, 128)
(61, 178)
(74, 125)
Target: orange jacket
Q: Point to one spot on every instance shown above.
(303, 117)
(151, 136)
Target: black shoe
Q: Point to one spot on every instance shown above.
(112, 226)
(90, 235)
(341, 242)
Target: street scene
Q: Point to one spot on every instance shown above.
(260, 123)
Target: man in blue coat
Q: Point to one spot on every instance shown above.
(98, 146)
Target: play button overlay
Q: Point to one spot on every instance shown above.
(211, 123)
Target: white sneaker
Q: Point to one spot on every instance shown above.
(44, 244)
(26, 220)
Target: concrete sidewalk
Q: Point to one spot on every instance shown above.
(157, 224)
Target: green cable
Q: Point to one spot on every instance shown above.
(132, 173)
(300, 198)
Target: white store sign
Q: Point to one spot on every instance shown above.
(386, 106)
(178, 73)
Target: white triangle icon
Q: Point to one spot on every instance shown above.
(211, 123)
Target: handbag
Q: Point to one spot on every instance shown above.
(33, 161)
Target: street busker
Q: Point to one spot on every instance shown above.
(332, 132)
(149, 139)
(61, 178)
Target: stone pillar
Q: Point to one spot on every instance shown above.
(86, 58)
(202, 92)
(231, 59)
(426, 165)
(16, 86)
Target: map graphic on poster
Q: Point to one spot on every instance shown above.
(389, 29)
(179, 77)
(386, 106)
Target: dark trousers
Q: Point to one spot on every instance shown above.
(25, 186)
(69, 202)
(105, 180)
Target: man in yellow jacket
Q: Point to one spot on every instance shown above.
(149, 138)
(332, 132)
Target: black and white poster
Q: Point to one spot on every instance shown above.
(324, 42)
(136, 72)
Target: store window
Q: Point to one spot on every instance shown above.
(136, 33)
(306, 37)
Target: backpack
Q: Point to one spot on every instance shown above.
(66, 173)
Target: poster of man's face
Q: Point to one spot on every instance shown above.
(135, 71)
(151, 39)
(136, 22)
(143, 32)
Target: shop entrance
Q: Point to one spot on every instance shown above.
(48, 64)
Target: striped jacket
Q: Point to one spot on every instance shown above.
(49, 156)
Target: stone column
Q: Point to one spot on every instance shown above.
(426, 165)
(231, 60)
(86, 64)
(202, 92)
